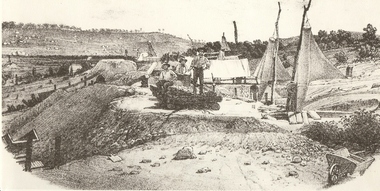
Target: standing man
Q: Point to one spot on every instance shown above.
(199, 64)
(181, 67)
(166, 78)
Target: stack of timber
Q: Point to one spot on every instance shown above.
(181, 98)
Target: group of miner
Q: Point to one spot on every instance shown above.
(169, 75)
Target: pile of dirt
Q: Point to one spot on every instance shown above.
(112, 69)
(30, 114)
(72, 117)
(125, 129)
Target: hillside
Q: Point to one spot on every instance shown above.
(66, 42)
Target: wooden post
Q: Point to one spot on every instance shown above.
(85, 80)
(245, 80)
(305, 9)
(57, 154)
(28, 158)
(235, 92)
(275, 58)
(55, 87)
(16, 80)
(266, 98)
(69, 83)
(236, 32)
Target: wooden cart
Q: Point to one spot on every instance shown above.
(342, 162)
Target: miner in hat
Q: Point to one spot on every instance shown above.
(181, 67)
(199, 63)
(166, 78)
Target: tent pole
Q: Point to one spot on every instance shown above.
(275, 54)
(305, 9)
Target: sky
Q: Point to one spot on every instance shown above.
(201, 19)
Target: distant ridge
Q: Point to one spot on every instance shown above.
(67, 42)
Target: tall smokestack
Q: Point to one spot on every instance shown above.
(236, 33)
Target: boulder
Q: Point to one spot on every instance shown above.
(293, 173)
(185, 153)
(204, 170)
(146, 161)
(156, 164)
(296, 159)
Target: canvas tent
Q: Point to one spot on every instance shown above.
(227, 69)
(264, 71)
(311, 65)
(224, 69)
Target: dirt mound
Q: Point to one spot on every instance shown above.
(71, 117)
(351, 102)
(112, 69)
(30, 114)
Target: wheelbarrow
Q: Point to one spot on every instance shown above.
(342, 162)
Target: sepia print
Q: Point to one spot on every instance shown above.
(190, 95)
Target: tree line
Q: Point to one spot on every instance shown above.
(367, 45)
(14, 25)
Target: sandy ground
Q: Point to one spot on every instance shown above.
(226, 157)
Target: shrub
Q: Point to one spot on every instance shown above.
(361, 129)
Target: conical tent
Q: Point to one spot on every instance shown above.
(264, 71)
(224, 44)
(311, 65)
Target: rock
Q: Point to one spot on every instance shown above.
(265, 149)
(303, 163)
(265, 162)
(204, 170)
(116, 169)
(202, 152)
(163, 157)
(214, 160)
(293, 173)
(277, 151)
(185, 153)
(164, 149)
(201, 158)
(135, 167)
(134, 172)
(296, 159)
(247, 163)
(156, 164)
(146, 161)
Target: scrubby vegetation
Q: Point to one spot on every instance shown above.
(361, 131)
